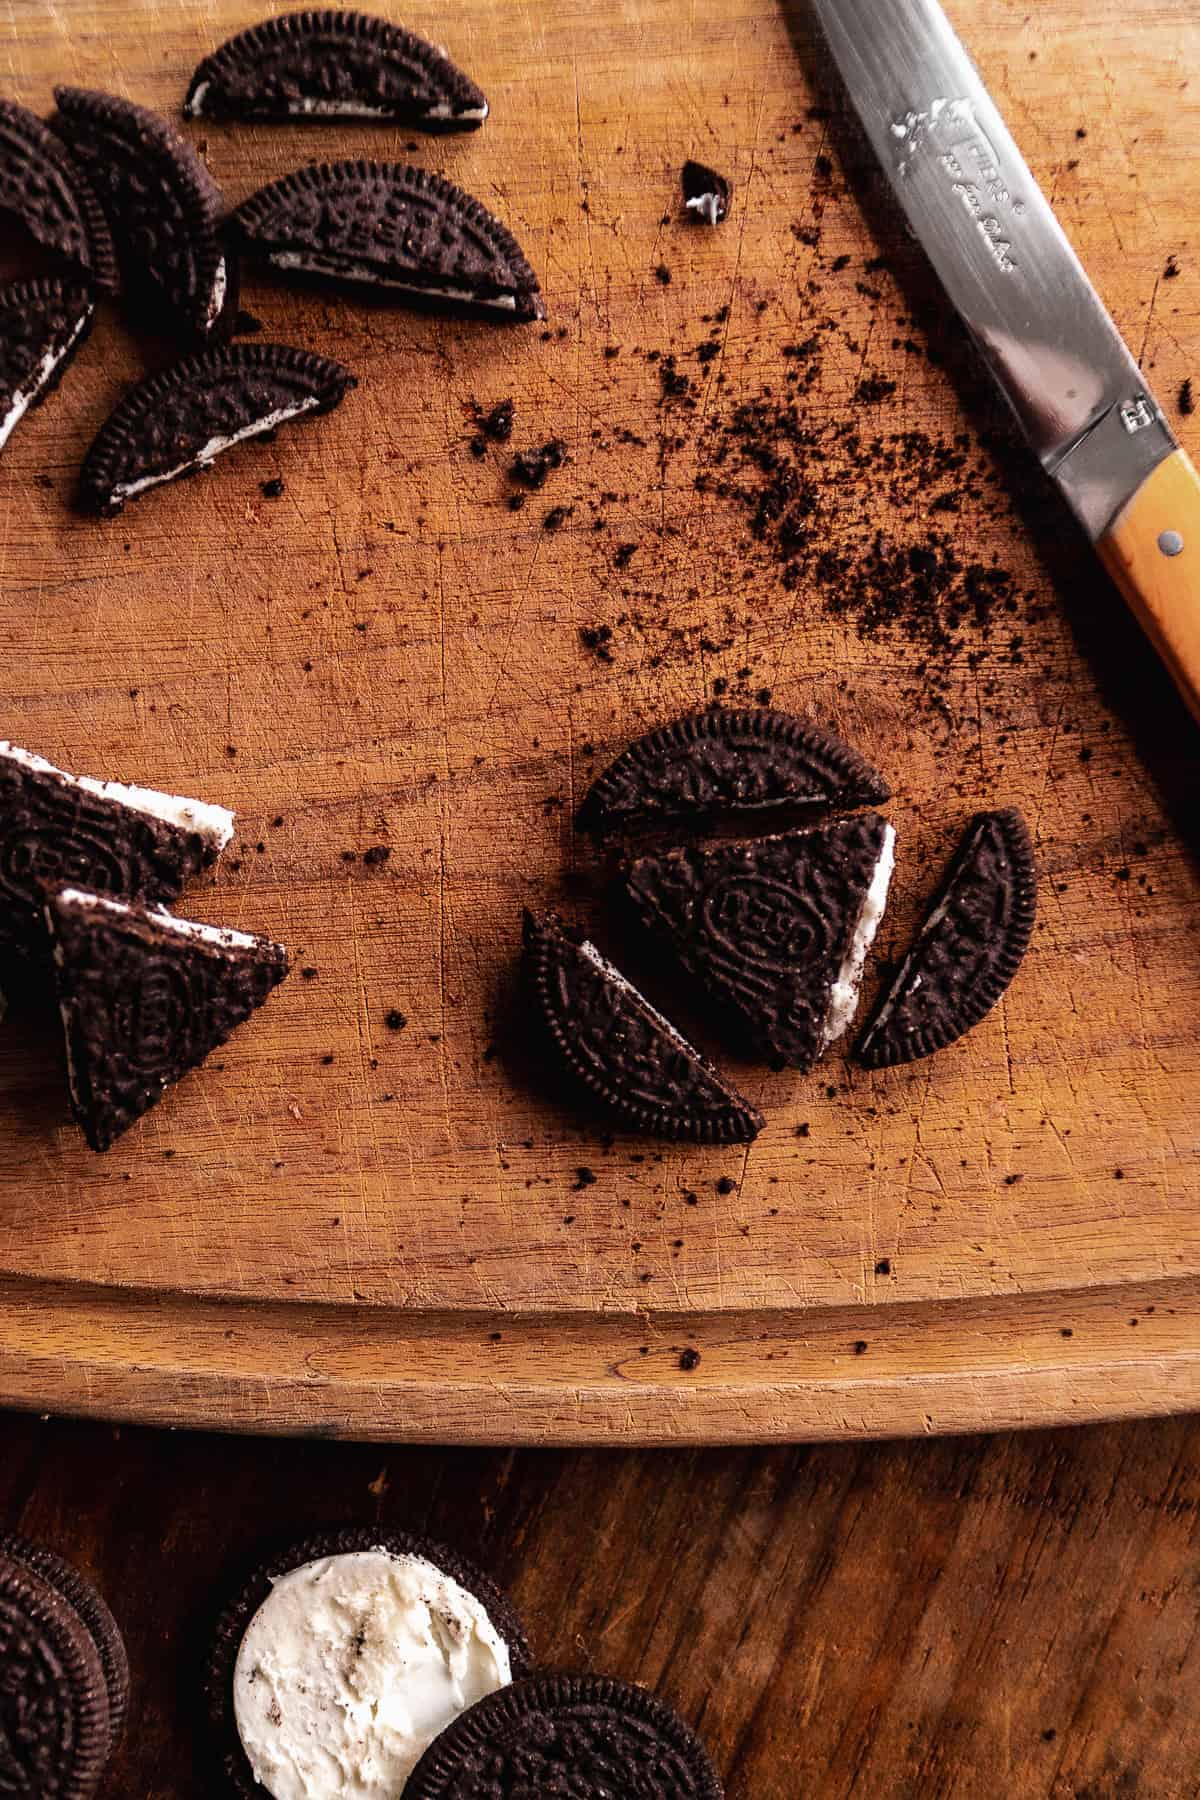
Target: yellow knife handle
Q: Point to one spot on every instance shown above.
(1152, 552)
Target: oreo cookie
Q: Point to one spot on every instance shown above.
(628, 1057)
(968, 949)
(82, 1598)
(57, 828)
(55, 1726)
(776, 931)
(164, 210)
(327, 64)
(181, 420)
(42, 325)
(144, 998)
(757, 766)
(351, 1650)
(45, 189)
(585, 1736)
(706, 195)
(393, 233)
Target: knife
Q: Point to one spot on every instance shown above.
(1043, 331)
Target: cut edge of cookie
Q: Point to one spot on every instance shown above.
(74, 295)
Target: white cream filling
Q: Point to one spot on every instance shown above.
(443, 110)
(613, 974)
(224, 937)
(22, 398)
(351, 1667)
(195, 105)
(220, 288)
(708, 206)
(212, 822)
(328, 265)
(208, 453)
(843, 996)
(312, 107)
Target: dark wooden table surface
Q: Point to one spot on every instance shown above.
(1008, 1616)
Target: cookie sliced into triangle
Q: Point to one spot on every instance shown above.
(631, 1059)
(144, 998)
(42, 324)
(776, 931)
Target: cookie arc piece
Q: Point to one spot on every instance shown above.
(184, 418)
(79, 1594)
(55, 1729)
(626, 1055)
(43, 324)
(42, 185)
(391, 232)
(967, 951)
(333, 64)
(752, 766)
(584, 1736)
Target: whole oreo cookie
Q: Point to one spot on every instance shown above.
(42, 325)
(43, 187)
(755, 767)
(332, 64)
(55, 1728)
(582, 1737)
(164, 210)
(392, 232)
(79, 1594)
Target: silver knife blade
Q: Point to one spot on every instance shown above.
(999, 251)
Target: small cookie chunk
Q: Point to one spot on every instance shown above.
(79, 1594)
(42, 325)
(55, 1730)
(706, 195)
(778, 930)
(392, 232)
(164, 210)
(583, 1736)
(145, 997)
(129, 841)
(334, 65)
(341, 1658)
(754, 766)
(968, 949)
(624, 1053)
(184, 418)
(46, 190)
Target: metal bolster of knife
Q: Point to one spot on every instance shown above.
(1103, 469)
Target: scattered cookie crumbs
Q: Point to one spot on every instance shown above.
(395, 1020)
(689, 1359)
(597, 639)
(378, 853)
(663, 274)
(584, 1178)
(272, 489)
(1172, 268)
(726, 1185)
(1187, 399)
(884, 1266)
(860, 1346)
(532, 467)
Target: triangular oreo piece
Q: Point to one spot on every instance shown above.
(968, 949)
(614, 1043)
(776, 930)
(44, 188)
(144, 998)
(42, 325)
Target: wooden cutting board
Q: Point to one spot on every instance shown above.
(342, 1227)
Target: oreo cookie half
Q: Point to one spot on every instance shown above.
(55, 1730)
(144, 998)
(331, 64)
(350, 1651)
(42, 324)
(129, 841)
(83, 1599)
(394, 232)
(713, 766)
(628, 1056)
(182, 419)
(585, 1736)
(968, 949)
(42, 187)
(777, 931)
(163, 207)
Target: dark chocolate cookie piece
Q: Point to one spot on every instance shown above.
(87, 1603)
(42, 325)
(144, 998)
(624, 1053)
(392, 232)
(776, 931)
(54, 1721)
(582, 1736)
(726, 765)
(253, 1590)
(164, 210)
(43, 187)
(332, 64)
(968, 949)
(706, 195)
(182, 419)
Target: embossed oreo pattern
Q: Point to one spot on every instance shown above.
(400, 224)
(750, 765)
(764, 926)
(612, 1042)
(347, 63)
(54, 1719)
(142, 1005)
(968, 950)
(37, 317)
(577, 1737)
(42, 186)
